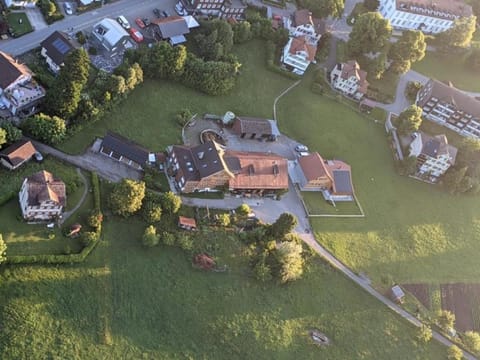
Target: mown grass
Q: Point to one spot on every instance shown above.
(317, 205)
(128, 302)
(412, 232)
(449, 67)
(148, 115)
(18, 28)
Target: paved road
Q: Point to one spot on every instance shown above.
(130, 8)
(105, 167)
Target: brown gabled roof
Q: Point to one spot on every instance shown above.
(352, 68)
(300, 43)
(302, 17)
(313, 167)
(10, 70)
(258, 170)
(19, 152)
(186, 221)
(42, 187)
(257, 126)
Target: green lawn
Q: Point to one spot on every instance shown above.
(412, 231)
(151, 304)
(449, 67)
(29, 239)
(317, 205)
(19, 29)
(148, 115)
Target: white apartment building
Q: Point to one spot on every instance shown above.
(298, 54)
(429, 16)
(303, 24)
(450, 107)
(349, 79)
(434, 154)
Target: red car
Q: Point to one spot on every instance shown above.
(140, 23)
(136, 34)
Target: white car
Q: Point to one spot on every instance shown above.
(180, 10)
(124, 22)
(68, 8)
(301, 148)
(303, 153)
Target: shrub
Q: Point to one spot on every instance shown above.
(471, 339)
(88, 238)
(81, 37)
(424, 334)
(150, 237)
(185, 242)
(95, 218)
(167, 238)
(223, 220)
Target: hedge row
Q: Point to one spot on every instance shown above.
(96, 191)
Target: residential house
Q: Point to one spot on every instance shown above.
(425, 15)
(172, 28)
(198, 168)
(16, 154)
(112, 37)
(256, 173)
(434, 155)
(303, 24)
(450, 107)
(349, 79)
(332, 177)
(42, 197)
(187, 223)
(126, 151)
(221, 8)
(19, 92)
(298, 54)
(253, 128)
(55, 49)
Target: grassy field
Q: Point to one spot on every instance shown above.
(317, 205)
(449, 67)
(412, 231)
(19, 29)
(148, 115)
(128, 302)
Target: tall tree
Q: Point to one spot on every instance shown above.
(370, 33)
(285, 223)
(324, 8)
(13, 133)
(289, 256)
(410, 119)
(49, 129)
(171, 203)
(459, 35)
(126, 197)
(409, 48)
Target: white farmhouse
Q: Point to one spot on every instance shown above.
(42, 197)
(434, 154)
(426, 15)
(298, 54)
(349, 79)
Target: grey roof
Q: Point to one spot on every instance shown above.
(172, 26)
(397, 292)
(57, 46)
(450, 94)
(343, 183)
(435, 146)
(125, 147)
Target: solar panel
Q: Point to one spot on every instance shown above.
(61, 46)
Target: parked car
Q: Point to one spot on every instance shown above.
(303, 153)
(146, 21)
(157, 13)
(38, 156)
(140, 23)
(68, 8)
(301, 148)
(124, 22)
(180, 10)
(136, 34)
(165, 13)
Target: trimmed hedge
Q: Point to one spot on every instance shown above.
(96, 191)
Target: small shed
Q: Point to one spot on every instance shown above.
(397, 294)
(187, 223)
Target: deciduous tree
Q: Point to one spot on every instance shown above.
(370, 33)
(424, 334)
(49, 129)
(409, 48)
(459, 35)
(289, 256)
(285, 223)
(242, 32)
(12, 132)
(471, 339)
(410, 119)
(171, 203)
(150, 237)
(445, 319)
(454, 353)
(126, 197)
(324, 8)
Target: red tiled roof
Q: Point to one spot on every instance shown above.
(351, 68)
(299, 43)
(19, 152)
(186, 221)
(313, 167)
(259, 171)
(42, 187)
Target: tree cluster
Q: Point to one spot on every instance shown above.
(409, 48)
(126, 197)
(12, 133)
(464, 177)
(324, 8)
(409, 120)
(370, 34)
(49, 129)
(459, 36)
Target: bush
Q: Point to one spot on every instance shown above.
(150, 237)
(167, 238)
(89, 237)
(81, 38)
(185, 242)
(95, 218)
